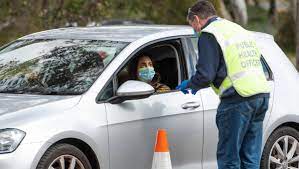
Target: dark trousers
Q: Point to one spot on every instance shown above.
(240, 127)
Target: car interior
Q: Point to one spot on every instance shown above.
(165, 57)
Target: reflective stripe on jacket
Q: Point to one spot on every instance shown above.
(242, 59)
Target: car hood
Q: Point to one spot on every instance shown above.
(10, 103)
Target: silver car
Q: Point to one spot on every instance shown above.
(67, 101)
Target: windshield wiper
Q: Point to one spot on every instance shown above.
(60, 93)
(40, 92)
(13, 91)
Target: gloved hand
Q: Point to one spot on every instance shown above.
(183, 87)
(185, 91)
(194, 91)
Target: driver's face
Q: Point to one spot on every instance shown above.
(144, 62)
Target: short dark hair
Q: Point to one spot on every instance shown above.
(203, 9)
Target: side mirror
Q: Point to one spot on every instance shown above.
(132, 90)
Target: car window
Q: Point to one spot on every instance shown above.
(191, 55)
(166, 57)
(54, 66)
(107, 93)
(161, 79)
(267, 70)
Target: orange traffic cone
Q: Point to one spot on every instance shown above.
(161, 156)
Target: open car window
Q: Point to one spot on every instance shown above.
(166, 62)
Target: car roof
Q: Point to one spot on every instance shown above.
(114, 33)
(127, 33)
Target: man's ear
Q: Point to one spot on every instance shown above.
(196, 19)
(197, 23)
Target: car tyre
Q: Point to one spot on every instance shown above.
(278, 154)
(64, 154)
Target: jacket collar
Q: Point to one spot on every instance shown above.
(210, 21)
(156, 79)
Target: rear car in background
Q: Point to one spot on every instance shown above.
(67, 101)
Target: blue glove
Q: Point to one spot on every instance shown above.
(185, 91)
(194, 91)
(183, 87)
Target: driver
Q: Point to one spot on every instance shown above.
(142, 69)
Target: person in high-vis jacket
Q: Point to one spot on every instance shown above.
(230, 62)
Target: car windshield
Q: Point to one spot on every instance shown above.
(54, 66)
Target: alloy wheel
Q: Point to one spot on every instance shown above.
(284, 153)
(66, 162)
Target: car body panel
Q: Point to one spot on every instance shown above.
(21, 101)
(12, 160)
(285, 99)
(51, 122)
(139, 121)
(120, 33)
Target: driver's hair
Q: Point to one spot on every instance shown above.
(132, 67)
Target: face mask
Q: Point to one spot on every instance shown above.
(195, 33)
(146, 74)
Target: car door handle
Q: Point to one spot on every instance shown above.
(190, 105)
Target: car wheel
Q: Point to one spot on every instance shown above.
(281, 150)
(62, 156)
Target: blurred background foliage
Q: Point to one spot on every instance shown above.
(21, 17)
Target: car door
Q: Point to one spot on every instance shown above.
(132, 127)
(210, 102)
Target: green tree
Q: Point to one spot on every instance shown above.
(21, 17)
